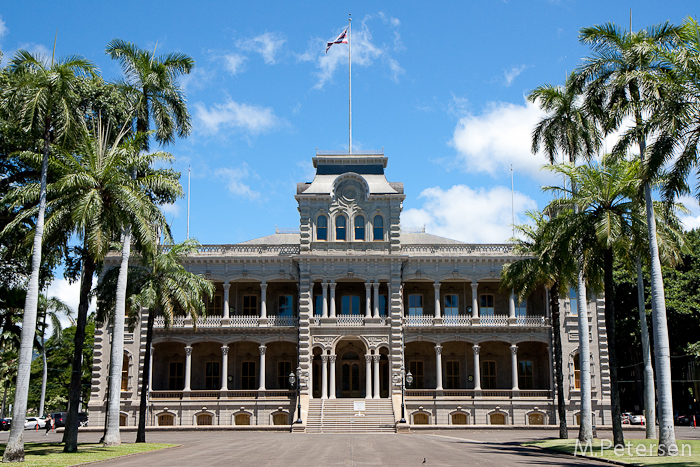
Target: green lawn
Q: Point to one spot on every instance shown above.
(636, 451)
(43, 454)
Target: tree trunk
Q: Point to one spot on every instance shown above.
(141, 431)
(618, 435)
(70, 435)
(649, 392)
(112, 436)
(14, 451)
(44, 377)
(558, 360)
(585, 433)
(662, 351)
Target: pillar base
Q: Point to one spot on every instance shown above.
(476, 321)
(262, 322)
(437, 321)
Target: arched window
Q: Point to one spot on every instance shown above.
(204, 419)
(125, 372)
(421, 419)
(378, 228)
(166, 419)
(360, 228)
(122, 419)
(280, 418)
(497, 418)
(577, 371)
(340, 228)
(322, 228)
(242, 419)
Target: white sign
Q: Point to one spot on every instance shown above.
(359, 405)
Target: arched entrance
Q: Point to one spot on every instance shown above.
(350, 365)
(350, 368)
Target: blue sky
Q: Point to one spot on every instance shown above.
(439, 86)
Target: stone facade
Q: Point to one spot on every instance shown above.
(349, 304)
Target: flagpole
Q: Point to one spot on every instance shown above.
(350, 81)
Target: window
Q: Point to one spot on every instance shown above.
(340, 224)
(488, 374)
(283, 370)
(525, 374)
(280, 419)
(176, 376)
(318, 305)
(212, 376)
(214, 305)
(535, 418)
(122, 419)
(421, 419)
(451, 305)
(382, 305)
(486, 305)
(250, 305)
(359, 227)
(459, 418)
(577, 372)
(415, 305)
(204, 419)
(242, 419)
(416, 369)
(248, 375)
(166, 419)
(378, 228)
(520, 308)
(497, 418)
(286, 305)
(322, 228)
(452, 374)
(125, 372)
(350, 305)
(573, 301)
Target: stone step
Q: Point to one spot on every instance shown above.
(340, 416)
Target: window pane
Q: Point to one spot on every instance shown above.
(451, 305)
(359, 228)
(322, 228)
(350, 305)
(573, 301)
(378, 228)
(250, 304)
(318, 305)
(340, 228)
(283, 370)
(286, 305)
(486, 307)
(382, 305)
(415, 305)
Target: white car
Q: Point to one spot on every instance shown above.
(33, 422)
(637, 419)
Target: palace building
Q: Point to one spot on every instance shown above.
(349, 304)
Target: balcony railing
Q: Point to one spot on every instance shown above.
(350, 320)
(282, 321)
(482, 321)
(494, 320)
(237, 321)
(226, 394)
(416, 321)
(484, 393)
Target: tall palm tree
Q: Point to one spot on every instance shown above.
(570, 130)
(42, 96)
(543, 264)
(150, 83)
(168, 287)
(617, 76)
(51, 308)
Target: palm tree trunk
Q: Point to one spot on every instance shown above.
(649, 396)
(112, 436)
(14, 451)
(44, 372)
(618, 435)
(558, 360)
(70, 435)
(662, 351)
(585, 433)
(141, 431)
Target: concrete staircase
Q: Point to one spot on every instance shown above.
(339, 416)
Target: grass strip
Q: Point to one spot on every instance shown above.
(43, 454)
(635, 451)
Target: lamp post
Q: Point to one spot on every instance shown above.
(403, 379)
(298, 380)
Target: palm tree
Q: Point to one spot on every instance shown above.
(168, 287)
(151, 86)
(42, 96)
(543, 265)
(617, 77)
(50, 308)
(570, 129)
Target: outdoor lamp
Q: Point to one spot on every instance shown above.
(409, 378)
(292, 379)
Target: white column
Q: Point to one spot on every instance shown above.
(188, 366)
(263, 349)
(511, 305)
(438, 366)
(375, 358)
(514, 365)
(310, 381)
(331, 359)
(333, 284)
(263, 300)
(311, 303)
(477, 368)
(475, 299)
(368, 302)
(324, 376)
(375, 286)
(324, 311)
(224, 367)
(150, 373)
(437, 299)
(225, 313)
(551, 368)
(368, 376)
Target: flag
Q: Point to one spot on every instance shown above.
(341, 39)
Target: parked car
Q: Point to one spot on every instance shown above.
(637, 419)
(5, 424)
(686, 419)
(33, 423)
(59, 419)
(626, 416)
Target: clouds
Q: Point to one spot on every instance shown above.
(266, 44)
(469, 215)
(233, 179)
(233, 62)
(233, 115)
(691, 220)
(70, 295)
(513, 73)
(498, 137)
(3, 28)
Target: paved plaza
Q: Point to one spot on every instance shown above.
(499, 448)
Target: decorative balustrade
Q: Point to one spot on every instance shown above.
(246, 250)
(226, 394)
(532, 321)
(493, 320)
(500, 393)
(458, 320)
(286, 321)
(484, 393)
(244, 321)
(457, 250)
(209, 322)
(536, 393)
(418, 321)
(350, 320)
